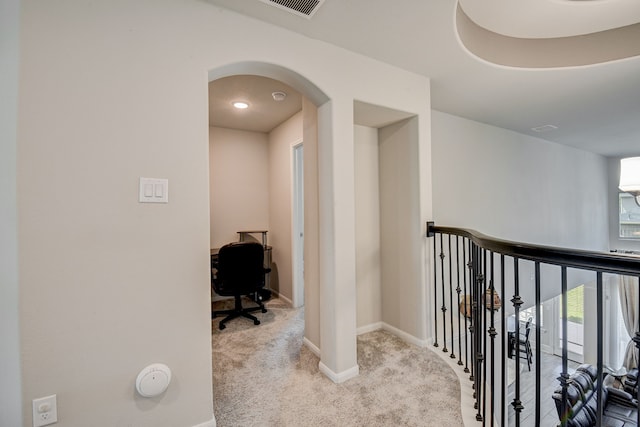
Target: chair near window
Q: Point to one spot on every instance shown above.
(239, 271)
(524, 343)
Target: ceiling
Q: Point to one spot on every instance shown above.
(593, 107)
(264, 112)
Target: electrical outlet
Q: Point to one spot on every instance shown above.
(45, 411)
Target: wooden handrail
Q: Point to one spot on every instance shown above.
(606, 262)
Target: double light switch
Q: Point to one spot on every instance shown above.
(154, 190)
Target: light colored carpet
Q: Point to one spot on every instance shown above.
(264, 376)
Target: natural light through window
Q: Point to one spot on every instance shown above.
(629, 217)
(530, 313)
(575, 321)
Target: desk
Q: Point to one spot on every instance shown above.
(242, 235)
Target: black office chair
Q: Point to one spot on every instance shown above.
(525, 344)
(239, 270)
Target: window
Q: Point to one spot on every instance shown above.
(629, 217)
(575, 324)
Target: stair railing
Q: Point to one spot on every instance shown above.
(472, 275)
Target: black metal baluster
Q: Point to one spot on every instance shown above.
(505, 345)
(636, 340)
(458, 290)
(483, 306)
(444, 307)
(564, 376)
(600, 346)
(467, 266)
(452, 355)
(479, 328)
(492, 335)
(435, 289)
(517, 302)
(472, 318)
(538, 341)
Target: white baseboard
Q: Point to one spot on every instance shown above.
(354, 371)
(405, 336)
(211, 423)
(333, 376)
(311, 346)
(369, 328)
(339, 377)
(395, 331)
(283, 298)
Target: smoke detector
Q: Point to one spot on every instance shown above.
(279, 96)
(304, 8)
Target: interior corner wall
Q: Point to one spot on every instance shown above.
(311, 221)
(238, 183)
(367, 227)
(10, 369)
(400, 223)
(280, 182)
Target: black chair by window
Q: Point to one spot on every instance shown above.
(239, 271)
(525, 344)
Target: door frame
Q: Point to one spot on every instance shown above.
(297, 222)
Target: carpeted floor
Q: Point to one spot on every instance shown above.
(264, 376)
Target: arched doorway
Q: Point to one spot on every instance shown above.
(336, 346)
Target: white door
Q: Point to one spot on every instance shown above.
(298, 225)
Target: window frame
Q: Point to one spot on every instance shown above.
(631, 222)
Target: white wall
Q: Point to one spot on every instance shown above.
(516, 187)
(311, 230)
(281, 141)
(109, 92)
(239, 183)
(403, 290)
(10, 387)
(389, 257)
(367, 227)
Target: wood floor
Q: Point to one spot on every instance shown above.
(551, 368)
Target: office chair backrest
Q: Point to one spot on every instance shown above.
(240, 268)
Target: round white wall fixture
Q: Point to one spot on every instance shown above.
(153, 380)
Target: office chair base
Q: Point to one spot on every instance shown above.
(222, 325)
(238, 311)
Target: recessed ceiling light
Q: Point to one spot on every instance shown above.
(241, 105)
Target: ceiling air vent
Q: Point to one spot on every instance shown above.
(544, 128)
(304, 8)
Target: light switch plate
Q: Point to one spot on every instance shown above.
(154, 190)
